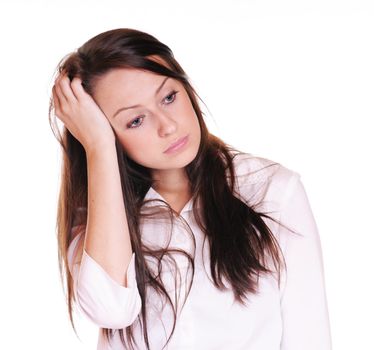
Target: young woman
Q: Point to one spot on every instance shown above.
(168, 237)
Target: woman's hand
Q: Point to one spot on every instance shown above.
(80, 113)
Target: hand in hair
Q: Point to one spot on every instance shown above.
(80, 113)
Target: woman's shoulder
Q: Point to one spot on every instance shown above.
(259, 178)
(254, 168)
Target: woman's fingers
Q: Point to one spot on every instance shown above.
(82, 95)
(63, 89)
(77, 88)
(56, 100)
(59, 94)
(62, 98)
(66, 90)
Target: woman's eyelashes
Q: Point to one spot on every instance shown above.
(132, 125)
(170, 98)
(172, 95)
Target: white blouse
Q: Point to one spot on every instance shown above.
(293, 316)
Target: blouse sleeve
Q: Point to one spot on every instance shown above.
(303, 298)
(104, 301)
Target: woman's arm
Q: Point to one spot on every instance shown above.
(107, 238)
(303, 298)
(104, 279)
(107, 245)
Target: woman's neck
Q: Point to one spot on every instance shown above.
(171, 182)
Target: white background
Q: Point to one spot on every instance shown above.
(291, 81)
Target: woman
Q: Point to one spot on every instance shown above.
(169, 237)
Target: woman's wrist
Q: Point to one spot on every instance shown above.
(100, 147)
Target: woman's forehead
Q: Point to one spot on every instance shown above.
(132, 81)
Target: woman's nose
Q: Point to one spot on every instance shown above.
(167, 125)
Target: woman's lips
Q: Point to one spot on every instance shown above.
(177, 145)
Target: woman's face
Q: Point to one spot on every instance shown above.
(150, 113)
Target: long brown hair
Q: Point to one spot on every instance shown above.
(239, 239)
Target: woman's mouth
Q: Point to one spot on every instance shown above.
(177, 145)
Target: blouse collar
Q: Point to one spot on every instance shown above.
(153, 194)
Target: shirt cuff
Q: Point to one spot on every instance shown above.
(103, 300)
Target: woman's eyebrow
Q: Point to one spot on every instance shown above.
(138, 105)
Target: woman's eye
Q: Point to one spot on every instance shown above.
(134, 123)
(171, 97)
